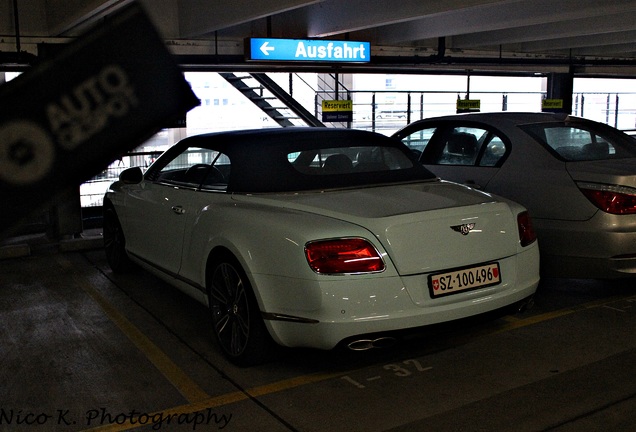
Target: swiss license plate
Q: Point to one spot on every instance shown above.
(455, 281)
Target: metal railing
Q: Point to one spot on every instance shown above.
(387, 111)
(614, 109)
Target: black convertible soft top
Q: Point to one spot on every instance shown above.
(294, 159)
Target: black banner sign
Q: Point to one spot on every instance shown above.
(66, 119)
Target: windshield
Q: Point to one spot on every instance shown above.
(582, 142)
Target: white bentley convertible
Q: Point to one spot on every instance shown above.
(312, 237)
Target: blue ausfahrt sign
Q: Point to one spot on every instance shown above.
(310, 50)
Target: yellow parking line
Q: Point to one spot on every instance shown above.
(218, 401)
(291, 383)
(531, 320)
(175, 375)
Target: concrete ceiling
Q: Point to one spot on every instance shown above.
(521, 35)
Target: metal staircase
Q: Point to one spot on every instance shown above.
(272, 99)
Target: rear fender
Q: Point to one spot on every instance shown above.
(264, 242)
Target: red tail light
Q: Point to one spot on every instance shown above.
(617, 200)
(527, 235)
(349, 255)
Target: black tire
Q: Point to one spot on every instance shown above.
(115, 243)
(236, 318)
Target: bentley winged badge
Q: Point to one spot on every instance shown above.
(463, 228)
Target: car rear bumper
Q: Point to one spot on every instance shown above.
(602, 247)
(587, 267)
(375, 305)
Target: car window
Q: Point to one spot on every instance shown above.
(573, 142)
(471, 146)
(460, 147)
(218, 176)
(418, 140)
(196, 167)
(494, 150)
(349, 160)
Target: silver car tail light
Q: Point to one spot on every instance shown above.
(613, 199)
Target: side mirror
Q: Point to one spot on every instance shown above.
(131, 176)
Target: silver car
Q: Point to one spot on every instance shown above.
(576, 177)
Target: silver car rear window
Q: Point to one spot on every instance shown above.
(582, 142)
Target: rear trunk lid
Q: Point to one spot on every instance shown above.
(608, 171)
(434, 241)
(420, 224)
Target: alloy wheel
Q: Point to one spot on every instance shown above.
(230, 309)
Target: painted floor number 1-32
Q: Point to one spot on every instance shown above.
(404, 369)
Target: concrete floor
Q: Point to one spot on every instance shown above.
(84, 349)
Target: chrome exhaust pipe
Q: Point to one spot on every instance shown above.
(525, 305)
(367, 344)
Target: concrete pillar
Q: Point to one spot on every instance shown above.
(560, 87)
(65, 215)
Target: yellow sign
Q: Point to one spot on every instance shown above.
(337, 110)
(337, 105)
(468, 104)
(552, 103)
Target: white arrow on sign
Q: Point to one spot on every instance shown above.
(265, 49)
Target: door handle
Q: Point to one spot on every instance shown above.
(178, 210)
